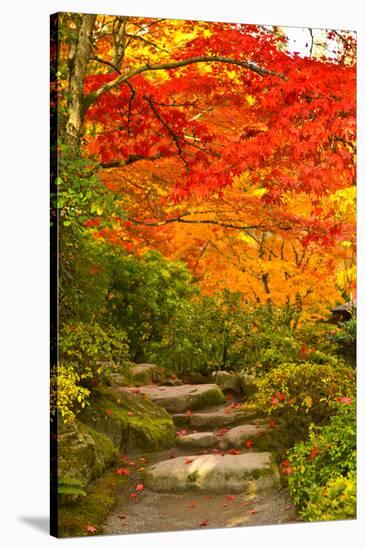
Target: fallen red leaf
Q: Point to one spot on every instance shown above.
(249, 443)
(133, 495)
(230, 497)
(108, 411)
(188, 460)
(204, 523)
(229, 397)
(233, 452)
(140, 487)
(189, 413)
(192, 505)
(122, 471)
(91, 529)
(252, 511)
(136, 390)
(207, 497)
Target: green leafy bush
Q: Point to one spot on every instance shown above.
(144, 294)
(87, 352)
(322, 478)
(205, 335)
(345, 338)
(67, 394)
(304, 393)
(92, 349)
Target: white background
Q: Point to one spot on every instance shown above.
(24, 271)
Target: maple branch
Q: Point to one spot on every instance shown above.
(105, 62)
(176, 138)
(181, 219)
(131, 159)
(93, 96)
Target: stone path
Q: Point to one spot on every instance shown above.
(215, 476)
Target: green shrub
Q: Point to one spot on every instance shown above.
(304, 393)
(323, 469)
(205, 335)
(345, 338)
(92, 349)
(87, 353)
(144, 295)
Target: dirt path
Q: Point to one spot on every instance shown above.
(154, 512)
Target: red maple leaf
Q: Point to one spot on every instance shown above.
(91, 529)
(313, 453)
(345, 400)
(230, 497)
(133, 495)
(140, 487)
(188, 460)
(233, 452)
(122, 471)
(253, 511)
(249, 443)
(204, 523)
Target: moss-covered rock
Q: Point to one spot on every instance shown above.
(83, 453)
(92, 509)
(130, 421)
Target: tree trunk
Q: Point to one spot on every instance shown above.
(76, 84)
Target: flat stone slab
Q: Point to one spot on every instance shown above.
(200, 439)
(212, 473)
(237, 436)
(218, 418)
(178, 399)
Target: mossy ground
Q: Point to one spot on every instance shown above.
(93, 509)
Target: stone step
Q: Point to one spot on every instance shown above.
(200, 440)
(213, 473)
(178, 399)
(215, 418)
(236, 437)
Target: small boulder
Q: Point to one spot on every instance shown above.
(200, 439)
(227, 381)
(144, 374)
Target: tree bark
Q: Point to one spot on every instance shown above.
(76, 85)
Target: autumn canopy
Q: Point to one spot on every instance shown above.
(220, 148)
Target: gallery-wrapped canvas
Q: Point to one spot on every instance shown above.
(203, 270)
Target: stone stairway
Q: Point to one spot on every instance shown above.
(219, 437)
(220, 473)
